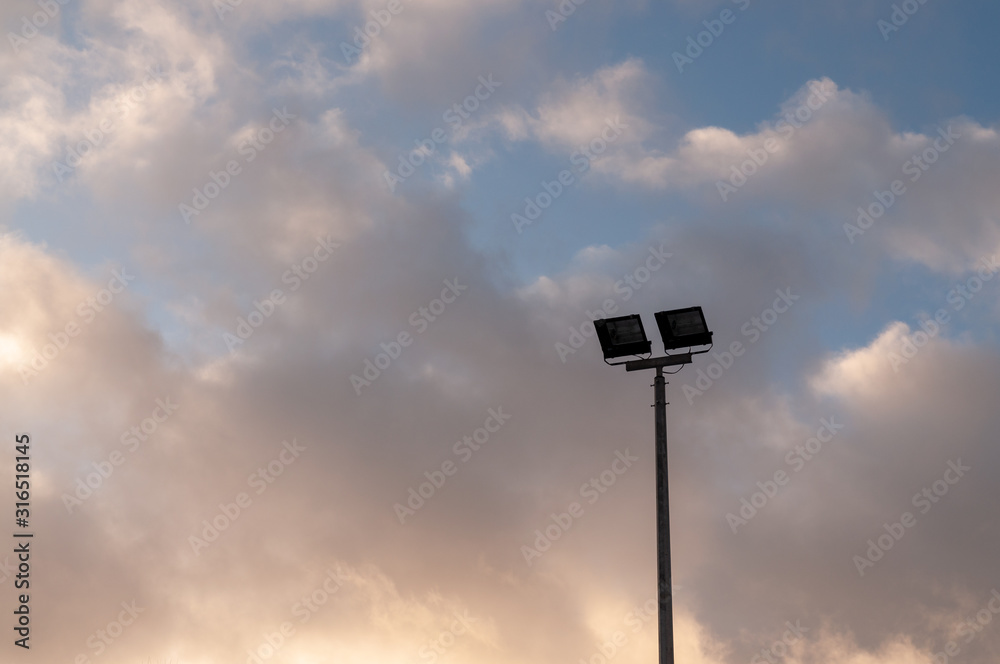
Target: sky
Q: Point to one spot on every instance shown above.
(297, 343)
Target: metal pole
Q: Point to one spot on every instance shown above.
(663, 524)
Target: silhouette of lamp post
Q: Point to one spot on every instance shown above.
(623, 337)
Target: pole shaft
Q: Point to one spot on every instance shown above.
(665, 597)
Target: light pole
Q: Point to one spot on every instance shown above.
(625, 336)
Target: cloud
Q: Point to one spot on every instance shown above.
(217, 468)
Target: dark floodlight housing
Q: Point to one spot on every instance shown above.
(622, 336)
(683, 328)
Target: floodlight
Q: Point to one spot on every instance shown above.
(683, 328)
(679, 328)
(622, 336)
